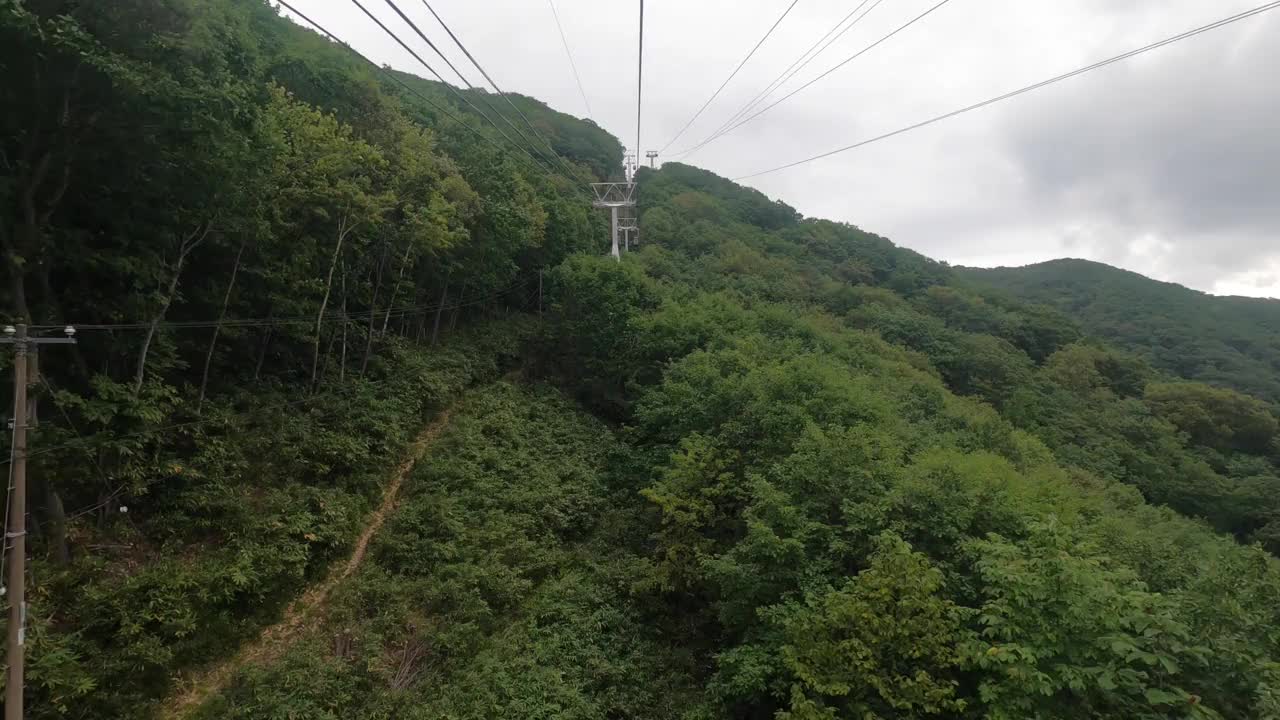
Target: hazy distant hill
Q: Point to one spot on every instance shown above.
(1231, 341)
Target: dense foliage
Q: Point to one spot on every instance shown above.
(259, 236)
(1226, 341)
(800, 514)
(765, 467)
(500, 589)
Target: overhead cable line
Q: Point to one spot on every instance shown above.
(451, 88)
(716, 94)
(569, 53)
(564, 165)
(837, 66)
(92, 441)
(802, 62)
(390, 75)
(1065, 76)
(407, 87)
(395, 311)
(640, 81)
(465, 81)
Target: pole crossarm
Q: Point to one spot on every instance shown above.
(627, 219)
(613, 194)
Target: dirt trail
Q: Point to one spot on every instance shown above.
(309, 609)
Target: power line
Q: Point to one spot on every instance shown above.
(412, 90)
(8, 493)
(396, 311)
(392, 76)
(716, 94)
(839, 65)
(88, 442)
(1065, 76)
(409, 88)
(451, 88)
(785, 76)
(91, 442)
(430, 44)
(564, 165)
(464, 79)
(639, 80)
(569, 52)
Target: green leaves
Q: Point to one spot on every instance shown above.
(882, 646)
(1060, 630)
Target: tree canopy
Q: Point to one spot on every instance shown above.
(765, 466)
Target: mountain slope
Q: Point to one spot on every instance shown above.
(1227, 341)
(810, 474)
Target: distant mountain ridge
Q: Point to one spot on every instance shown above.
(1228, 341)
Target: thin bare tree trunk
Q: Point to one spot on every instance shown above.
(342, 366)
(444, 297)
(262, 356)
(404, 264)
(57, 534)
(373, 312)
(217, 329)
(421, 332)
(188, 244)
(457, 309)
(343, 231)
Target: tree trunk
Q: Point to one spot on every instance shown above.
(457, 309)
(57, 530)
(343, 231)
(17, 287)
(373, 312)
(189, 243)
(217, 329)
(444, 297)
(421, 331)
(56, 315)
(37, 202)
(262, 356)
(342, 366)
(395, 291)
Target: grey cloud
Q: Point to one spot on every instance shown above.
(1168, 164)
(1184, 147)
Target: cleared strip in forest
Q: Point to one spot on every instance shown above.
(310, 608)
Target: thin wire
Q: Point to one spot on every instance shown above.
(564, 165)
(8, 492)
(569, 52)
(1065, 76)
(83, 441)
(272, 322)
(716, 94)
(640, 81)
(427, 40)
(785, 76)
(451, 88)
(392, 76)
(412, 25)
(388, 74)
(53, 395)
(839, 65)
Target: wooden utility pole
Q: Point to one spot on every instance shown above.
(16, 534)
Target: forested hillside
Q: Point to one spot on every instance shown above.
(833, 485)
(272, 251)
(766, 466)
(1225, 341)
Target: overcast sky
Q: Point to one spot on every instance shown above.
(1167, 164)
